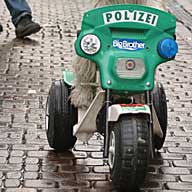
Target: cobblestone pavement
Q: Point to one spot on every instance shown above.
(27, 164)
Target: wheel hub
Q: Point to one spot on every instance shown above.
(47, 115)
(111, 149)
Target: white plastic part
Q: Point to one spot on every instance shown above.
(156, 125)
(116, 110)
(86, 126)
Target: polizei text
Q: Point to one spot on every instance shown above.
(128, 16)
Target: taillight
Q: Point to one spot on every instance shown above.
(130, 68)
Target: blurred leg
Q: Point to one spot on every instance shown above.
(22, 18)
(18, 9)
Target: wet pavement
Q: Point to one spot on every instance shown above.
(27, 67)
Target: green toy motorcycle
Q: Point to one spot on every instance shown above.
(127, 43)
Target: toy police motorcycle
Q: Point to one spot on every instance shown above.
(127, 43)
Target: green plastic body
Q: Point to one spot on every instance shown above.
(134, 22)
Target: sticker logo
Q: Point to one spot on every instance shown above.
(128, 44)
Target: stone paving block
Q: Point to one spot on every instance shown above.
(182, 163)
(91, 177)
(166, 191)
(79, 155)
(101, 169)
(152, 185)
(188, 157)
(26, 147)
(102, 184)
(87, 148)
(13, 175)
(32, 175)
(39, 154)
(186, 178)
(75, 184)
(160, 177)
(32, 167)
(174, 171)
(40, 183)
(60, 190)
(20, 190)
(179, 186)
(89, 162)
(178, 150)
(75, 169)
(56, 176)
(15, 160)
(12, 183)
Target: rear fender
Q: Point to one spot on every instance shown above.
(116, 110)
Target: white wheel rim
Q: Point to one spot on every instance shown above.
(111, 149)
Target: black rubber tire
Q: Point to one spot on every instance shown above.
(132, 151)
(1, 28)
(160, 105)
(61, 117)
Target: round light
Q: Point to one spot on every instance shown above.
(90, 44)
(130, 64)
(167, 48)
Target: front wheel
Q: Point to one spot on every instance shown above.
(129, 151)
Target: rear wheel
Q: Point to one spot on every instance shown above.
(129, 151)
(1, 28)
(60, 117)
(160, 105)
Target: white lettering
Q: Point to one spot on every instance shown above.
(127, 16)
(128, 45)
